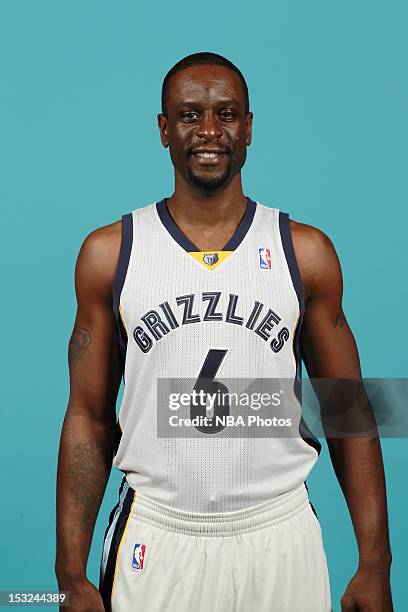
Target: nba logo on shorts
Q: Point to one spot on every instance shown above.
(138, 557)
(264, 258)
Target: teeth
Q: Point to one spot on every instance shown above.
(206, 155)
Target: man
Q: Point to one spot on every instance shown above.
(208, 285)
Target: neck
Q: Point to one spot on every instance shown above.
(191, 207)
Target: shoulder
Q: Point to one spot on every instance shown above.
(98, 258)
(316, 257)
(309, 239)
(103, 241)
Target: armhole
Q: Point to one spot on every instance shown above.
(123, 263)
(289, 251)
(287, 243)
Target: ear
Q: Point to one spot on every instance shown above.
(163, 127)
(248, 128)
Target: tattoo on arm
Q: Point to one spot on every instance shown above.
(340, 320)
(79, 342)
(88, 479)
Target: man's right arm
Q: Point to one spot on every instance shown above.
(87, 438)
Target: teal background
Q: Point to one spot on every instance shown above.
(79, 92)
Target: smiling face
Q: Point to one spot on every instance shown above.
(206, 128)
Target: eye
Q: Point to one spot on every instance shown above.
(227, 114)
(189, 116)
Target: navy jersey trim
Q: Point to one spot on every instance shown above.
(106, 583)
(123, 263)
(308, 436)
(311, 505)
(117, 436)
(172, 227)
(242, 228)
(287, 243)
(189, 246)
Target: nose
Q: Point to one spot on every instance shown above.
(209, 128)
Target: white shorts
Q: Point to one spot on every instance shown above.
(262, 559)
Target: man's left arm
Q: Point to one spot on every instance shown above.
(329, 351)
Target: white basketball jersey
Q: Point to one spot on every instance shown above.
(222, 315)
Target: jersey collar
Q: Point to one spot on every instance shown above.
(187, 245)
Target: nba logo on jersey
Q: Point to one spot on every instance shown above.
(138, 557)
(264, 258)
